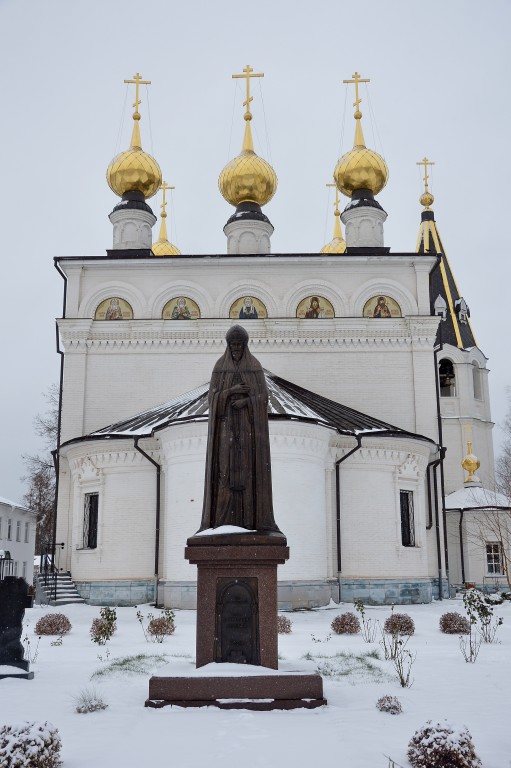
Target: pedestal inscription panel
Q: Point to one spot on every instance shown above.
(237, 621)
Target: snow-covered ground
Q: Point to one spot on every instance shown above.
(348, 733)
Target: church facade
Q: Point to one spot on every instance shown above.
(360, 471)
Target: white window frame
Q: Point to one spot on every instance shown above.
(9, 529)
(494, 558)
(18, 530)
(411, 525)
(27, 533)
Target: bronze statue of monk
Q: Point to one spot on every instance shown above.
(237, 488)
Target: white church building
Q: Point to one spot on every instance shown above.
(360, 470)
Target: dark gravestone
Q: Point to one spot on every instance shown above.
(14, 599)
(236, 621)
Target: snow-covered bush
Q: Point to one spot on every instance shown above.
(103, 628)
(390, 704)
(453, 623)
(89, 700)
(30, 745)
(346, 624)
(53, 624)
(399, 623)
(284, 625)
(442, 745)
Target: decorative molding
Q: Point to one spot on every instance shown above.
(255, 288)
(383, 285)
(109, 288)
(409, 468)
(305, 288)
(169, 290)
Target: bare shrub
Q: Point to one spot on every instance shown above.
(30, 745)
(160, 627)
(346, 624)
(53, 624)
(103, 628)
(284, 625)
(399, 623)
(390, 704)
(89, 700)
(453, 623)
(442, 745)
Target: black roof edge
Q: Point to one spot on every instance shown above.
(133, 254)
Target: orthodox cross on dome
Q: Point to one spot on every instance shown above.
(336, 196)
(164, 187)
(357, 79)
(425, 162)
(137, 81)
(248, 72)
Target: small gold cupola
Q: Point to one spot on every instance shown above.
(338, 244)
(134, 170)
(162, 247)
(361, 168)
(248, 182)
(470, 463)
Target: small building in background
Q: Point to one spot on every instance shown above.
(17, 539)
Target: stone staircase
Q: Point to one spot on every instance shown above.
(66, 591)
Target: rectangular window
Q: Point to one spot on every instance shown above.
(90, 521)
(9, 530)
(15, 571)
(494, 558)
(1, 532)
(18, 530)
(407, 521)
(24, 570)
(27, 532)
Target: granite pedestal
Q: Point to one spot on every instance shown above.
(237, 624)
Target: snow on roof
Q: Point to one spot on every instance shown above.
(285, 401)
(476, 497)
(13, 504)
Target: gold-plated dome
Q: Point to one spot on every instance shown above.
(470, 463)
(338, 244)
(426, 199)
(361, 168)
(247, 178)
(162, 247)
(134, 170)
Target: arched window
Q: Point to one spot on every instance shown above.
(447, 378)
(476, 379)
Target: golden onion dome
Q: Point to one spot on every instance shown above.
(247, 178)
(361, 168)
(164, 248)
(134, 170)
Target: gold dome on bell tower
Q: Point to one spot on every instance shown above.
(134, 170)
(360, 168)
(247, 178)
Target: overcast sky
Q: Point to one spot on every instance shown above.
(440, 84)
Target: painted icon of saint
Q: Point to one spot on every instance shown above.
(381, 309)
(181, 311)
(314, 311)
(248, 311)
(114, 311)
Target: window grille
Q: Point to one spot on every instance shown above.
(494, 558)
(407, 521)
(90, 521)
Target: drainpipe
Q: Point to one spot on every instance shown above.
(432, 465)
(462, 556)
(438, 545)
(338, 501)
(158, 512)
(56, 452)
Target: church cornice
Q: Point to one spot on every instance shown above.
(286, 333)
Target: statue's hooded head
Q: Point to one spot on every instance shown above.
(237, 340)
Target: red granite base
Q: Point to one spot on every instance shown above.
(256, 692)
